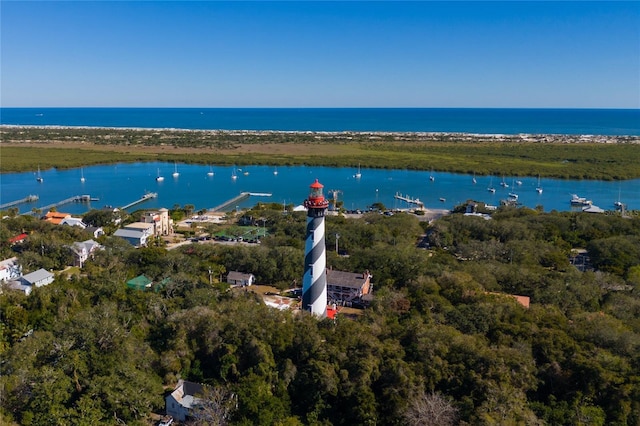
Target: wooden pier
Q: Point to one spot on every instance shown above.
(27, 199)
(409, 199)
(74, 199)
(145, 197)
(234, 200)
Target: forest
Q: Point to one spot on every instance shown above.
(443, 342)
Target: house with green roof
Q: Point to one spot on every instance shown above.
(139, 283)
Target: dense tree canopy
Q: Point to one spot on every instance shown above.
(442, 343)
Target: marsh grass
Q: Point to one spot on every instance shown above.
(25, 149)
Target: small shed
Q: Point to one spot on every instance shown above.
(236, 278)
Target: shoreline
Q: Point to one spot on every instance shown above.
(525, 137)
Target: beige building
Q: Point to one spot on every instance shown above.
(162, 223)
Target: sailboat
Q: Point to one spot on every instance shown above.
(234, 176)
(474, 178)
(275, 171)
(81, 174)
(539, 188)
(38, 176)
(503, 183)
(175, 173)
(618, 204)
(159, 178)
(210, 172)
(358, 174)
(491, 188)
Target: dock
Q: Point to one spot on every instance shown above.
(238, 198)
(145, 197)
(74, 199)
(27, 199)
(409, 199)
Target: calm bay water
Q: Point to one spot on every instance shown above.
(120, 184)
(458, 120)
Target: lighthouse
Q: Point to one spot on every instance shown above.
(314, 282)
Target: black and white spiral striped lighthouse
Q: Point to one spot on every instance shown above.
(314, 282)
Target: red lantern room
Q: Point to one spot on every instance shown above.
(316, 198)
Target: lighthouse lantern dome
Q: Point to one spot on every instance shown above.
(316, 191)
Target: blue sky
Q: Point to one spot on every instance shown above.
(320, 54)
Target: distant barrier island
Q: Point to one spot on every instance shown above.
(25, 148)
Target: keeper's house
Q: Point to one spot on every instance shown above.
(240, 279)
(348, 287)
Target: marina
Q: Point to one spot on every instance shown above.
(123, 183)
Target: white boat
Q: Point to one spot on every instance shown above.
(210, 172)
(539, 188)
(159, 178)
(358, 174)
(275, 171)
(518, 182)
(579, 201)
(234, 176)
(618, 204)
(513, 195)
(503, 183)
(491, 189)
(175, 173)
(38, 176)
(442, 199)
(432, 178)
(474, 178)
(81, 174)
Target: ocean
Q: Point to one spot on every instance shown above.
(610, 122)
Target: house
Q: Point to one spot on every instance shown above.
(236, 278)
(18, 239)
(347, 287)
(184, 400)
(73, 221)
(10, 269)
(38, 278)
(96, 231)
(55, 217)
(162, 223)
(139, 283)
(83, 250)
(136, 233)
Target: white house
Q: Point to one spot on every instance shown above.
(83, 251)
(182, 402)
(10, 269)
(96, 231)
(240, 279)
(73, 221)
(136, 233)
(38, 278)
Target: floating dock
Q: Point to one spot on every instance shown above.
(234, 200)
(27, 199)
(409, 199)
(145, 197)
